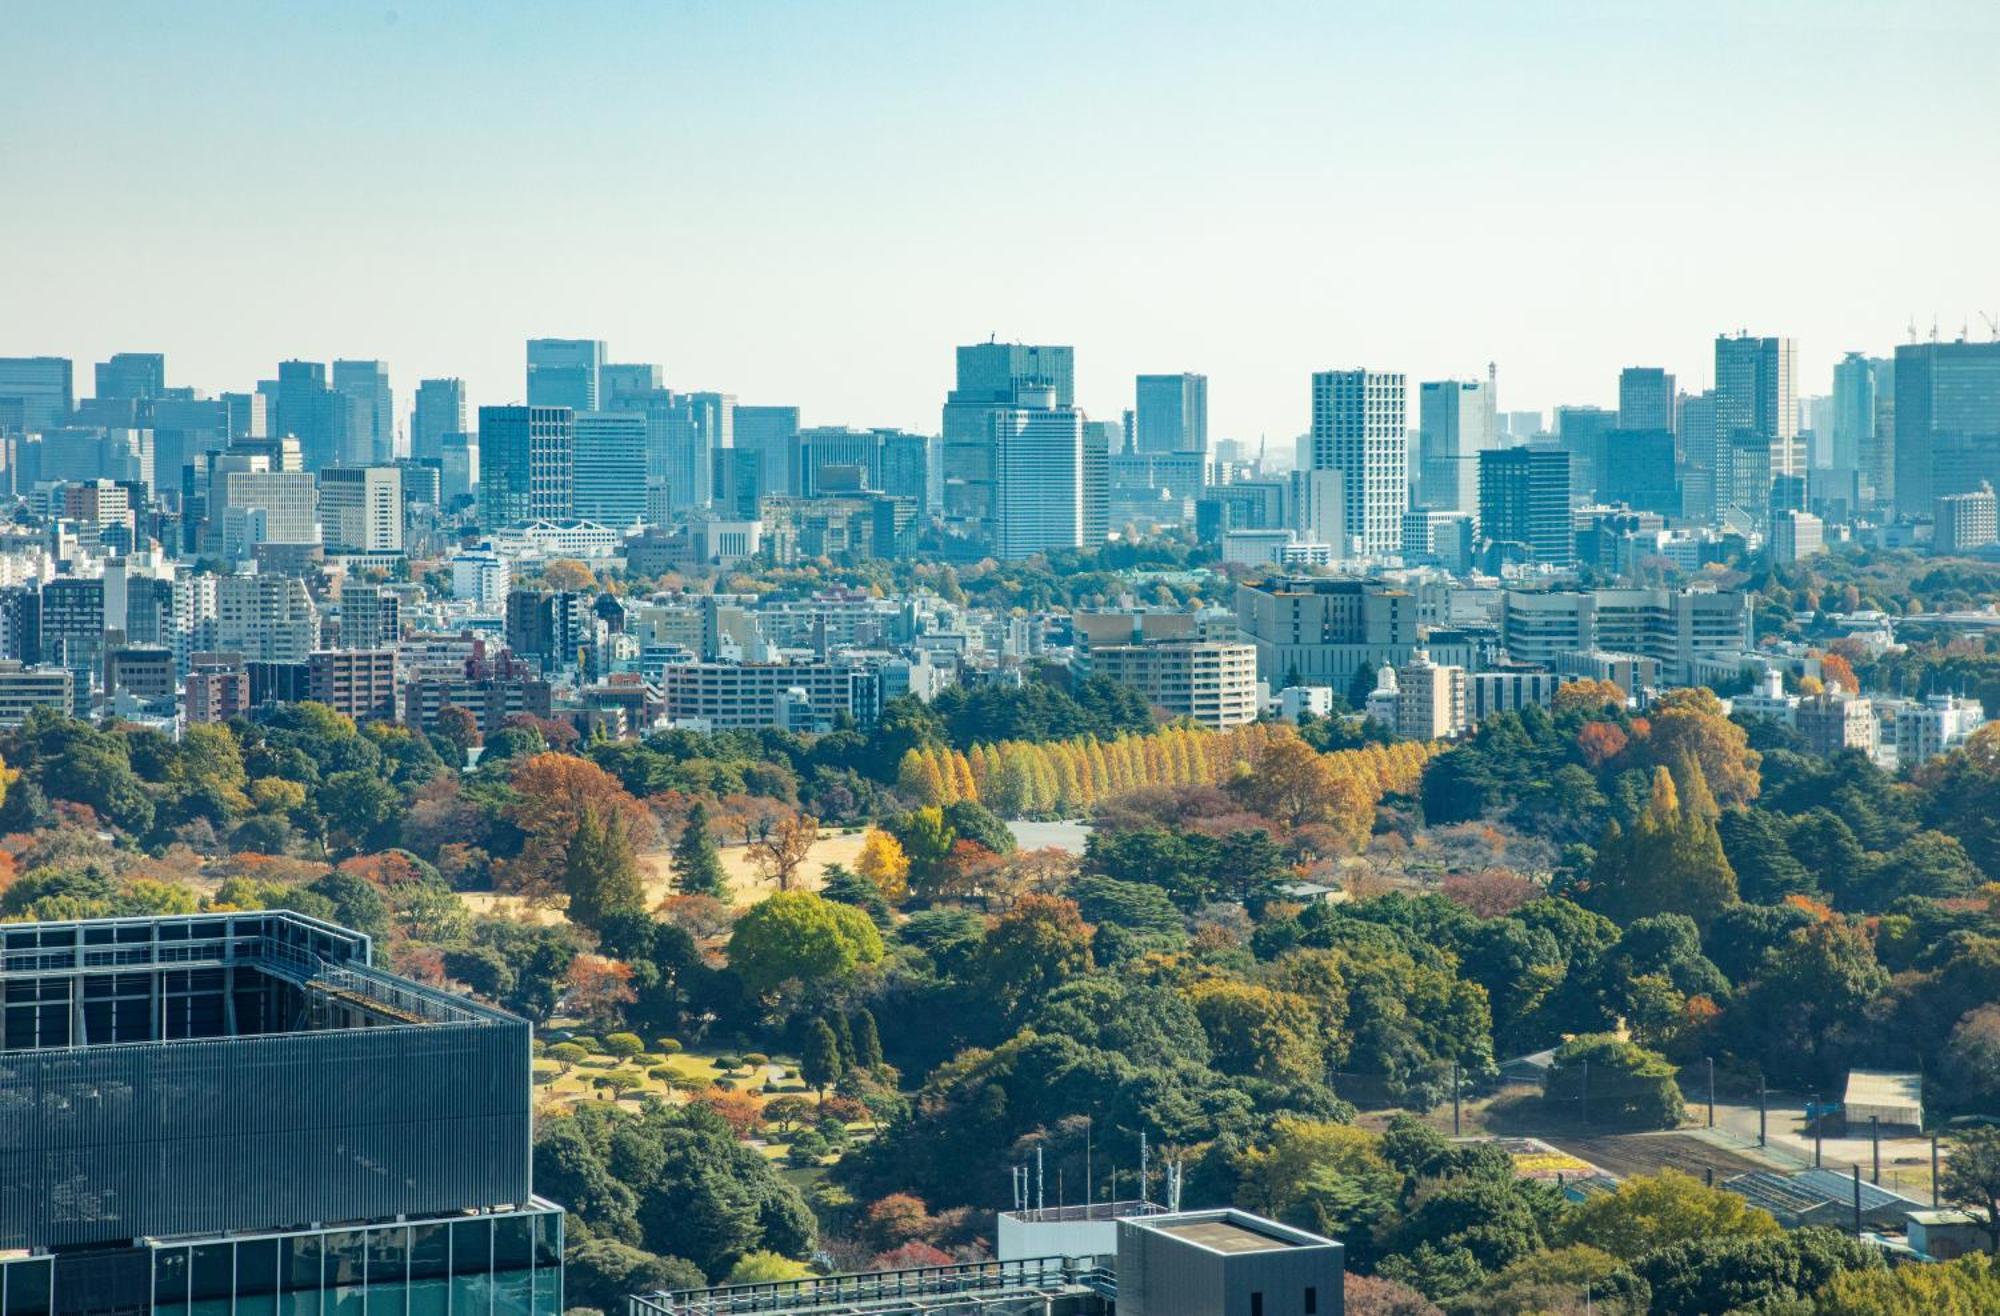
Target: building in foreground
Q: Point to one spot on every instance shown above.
(1214, 682)
(239, 1107)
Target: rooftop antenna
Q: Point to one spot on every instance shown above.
(1041, 1182)
(1913, 328)
(1174, 1186)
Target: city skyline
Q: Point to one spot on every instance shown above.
(850, 317)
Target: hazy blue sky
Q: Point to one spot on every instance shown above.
(812, 202)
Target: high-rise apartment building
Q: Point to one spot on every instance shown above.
(36, 393)
(1172, 415)
(361, 508)
(1756, 406)
(1947, 424)
(525, 464)
(563, 372)
(1455, 424)
(439, 410)
(1038, 480)
(1524, 496)
(1966, 521)
(610, 467)
(1097, 442)
(371, 414)
(1645, 398)
(132, 375)
(1358, 419)
(993, 379)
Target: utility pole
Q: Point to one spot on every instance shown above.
(1875, 1142)
(1711, 1092)
(1934, 1173)
(1586, 1092)
(1857, 1201)
(1454, 1098)
(1812, 1110)
(1761, 1111)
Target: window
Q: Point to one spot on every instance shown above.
(1312, 1301)
(1256, 1304)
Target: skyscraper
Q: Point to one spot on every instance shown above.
(627, 380)
(1455, 423)
(132, 375)
(563, 372)
(610, 466)
(1098, 437)
(1038, 477)
(1585, 434)
(1172, 415)
(1645, 398)
(361, 508)
(439, 410)
(1524, 500)
(1695, 468)
(1756, 406)
(993, 378)
(525, 464)
(773, 434)
(1358, 419)
(36, 393)
(1853, 414)
(371, 421)
(1947, 436)
(311, 412)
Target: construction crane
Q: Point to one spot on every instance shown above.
(1992, 327)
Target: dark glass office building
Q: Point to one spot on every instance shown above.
(238, 1115)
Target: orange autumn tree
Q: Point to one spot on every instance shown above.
(555, 795)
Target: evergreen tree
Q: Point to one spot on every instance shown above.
(820, 1066)
(600, 873)
(843, 884)
(843, 1037)
(867, 1041)
(697, 865)
(1669, 862)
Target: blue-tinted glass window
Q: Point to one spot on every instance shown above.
(170, 1281)
(257, 1277)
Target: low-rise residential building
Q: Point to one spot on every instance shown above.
(357, 683)
(1831, 722)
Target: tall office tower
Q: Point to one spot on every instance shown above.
(251, 1179)
(439, 410)
(36, 393)
(249, 415)
(458, 468)
(1584, 433)
(1816, 428)
(1455, 421)
(132, 375)
(909, 467)
(734, 488)
(1854, 416)
(564, 372)
(834, 459)
(311, 412)
(1639, 471)
(1358, 430)
(615, 383)
(1038, 477)
(1947, 438)
(525, 464)
(361, 508)
(1172, 415)
(682, 430)
(1524, 424)
(610, 466)
(772, 433)
(993, 378)
(251, 503)
(1756, 405)
(372, 411)
(1645, 398)
(1524, 500)
(1098, 437)
(1695, 466)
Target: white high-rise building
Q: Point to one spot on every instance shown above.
(361, 508)
(1358, 429)
(609, 452)
(1455, 421)
(1038, 478)
(266, 618)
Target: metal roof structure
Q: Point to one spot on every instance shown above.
(1820, 1197)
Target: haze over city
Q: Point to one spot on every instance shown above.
(815, 202)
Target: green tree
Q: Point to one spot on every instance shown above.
(763, 1267)
(820, 1066)
(1614, 1082)
(1813, 987)
(696, 862)
(926, 839)
(1670, 862)
(603, 1272)
(1969, 1286)
(1651, 1211)
(360, 809)
(867, 1041)
(1754, 841)
(799, 935)
(1750, 1273)
(600, 873)
(1036, 946)
(842, 884)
